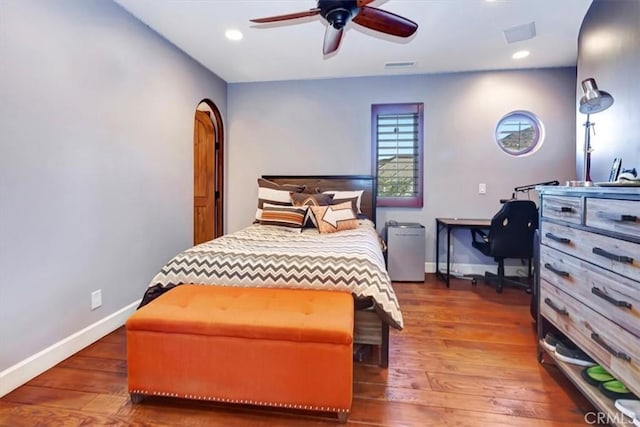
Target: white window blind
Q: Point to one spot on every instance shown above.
(398, 154)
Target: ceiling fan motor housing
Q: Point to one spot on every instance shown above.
(337, 12)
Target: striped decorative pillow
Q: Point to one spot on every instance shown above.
(283, 216)
(275, 194)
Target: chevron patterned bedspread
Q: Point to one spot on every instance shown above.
(264, 256)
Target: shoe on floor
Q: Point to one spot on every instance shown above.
(595, 375)
(552, 339)
(572, 354)
(629, 407)
(616, 390)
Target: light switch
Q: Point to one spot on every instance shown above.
(482, 188)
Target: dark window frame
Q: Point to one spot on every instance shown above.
(415, 201)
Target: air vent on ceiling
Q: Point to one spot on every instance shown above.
(520, 32)
(397, 65)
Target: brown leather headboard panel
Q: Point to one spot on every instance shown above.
(336, 182)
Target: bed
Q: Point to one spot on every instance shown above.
(266, 256)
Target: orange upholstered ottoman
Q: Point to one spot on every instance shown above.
(276, 347)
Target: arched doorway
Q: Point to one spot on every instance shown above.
(208, 172)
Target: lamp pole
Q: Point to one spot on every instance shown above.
(586, 173)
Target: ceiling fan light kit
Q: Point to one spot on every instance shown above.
(339, 13)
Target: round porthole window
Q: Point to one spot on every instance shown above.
(519, 133)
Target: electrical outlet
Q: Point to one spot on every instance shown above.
(96, 299)
(482, 188)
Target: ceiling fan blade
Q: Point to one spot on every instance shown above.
(310, 12)
(332, 39)
(362, 3)
(385, 22)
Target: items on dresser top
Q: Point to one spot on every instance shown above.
(626, 178)
(620, 183)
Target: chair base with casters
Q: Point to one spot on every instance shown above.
(510, 236)
(502, 281)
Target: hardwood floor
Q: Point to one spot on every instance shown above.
(467, 356)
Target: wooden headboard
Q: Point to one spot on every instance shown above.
(336, 182)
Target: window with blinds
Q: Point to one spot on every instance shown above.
(397, 153)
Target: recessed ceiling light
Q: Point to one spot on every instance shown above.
(234, 35)
(520, 54)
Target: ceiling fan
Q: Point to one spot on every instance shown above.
(339, 12)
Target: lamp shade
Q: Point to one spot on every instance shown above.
(594, 99)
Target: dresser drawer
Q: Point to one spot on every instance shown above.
(611, 295)
(565, 208)
(612, 346)
(621, 216)
(620, 256)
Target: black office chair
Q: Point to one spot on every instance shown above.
(510, 236)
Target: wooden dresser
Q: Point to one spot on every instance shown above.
(589, 282)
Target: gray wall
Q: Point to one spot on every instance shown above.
(96, 178)
(609, 51)
(323, 127)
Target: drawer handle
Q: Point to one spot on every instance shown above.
(563, 209)
(560, 311)
(601, 294)
(618, 217)
(557, 239)
(618, 354)
(609, 255)
(555, 270)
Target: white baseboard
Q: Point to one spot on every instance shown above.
(20, 373)
(476, 269)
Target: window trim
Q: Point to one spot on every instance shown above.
(536, 125)
(402, 108)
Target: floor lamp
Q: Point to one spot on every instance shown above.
(593, 101)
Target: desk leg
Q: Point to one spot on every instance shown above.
(438, 227)
(448, 253)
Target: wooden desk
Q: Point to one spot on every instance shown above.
(449, 224)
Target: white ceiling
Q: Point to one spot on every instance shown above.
(453, 36)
